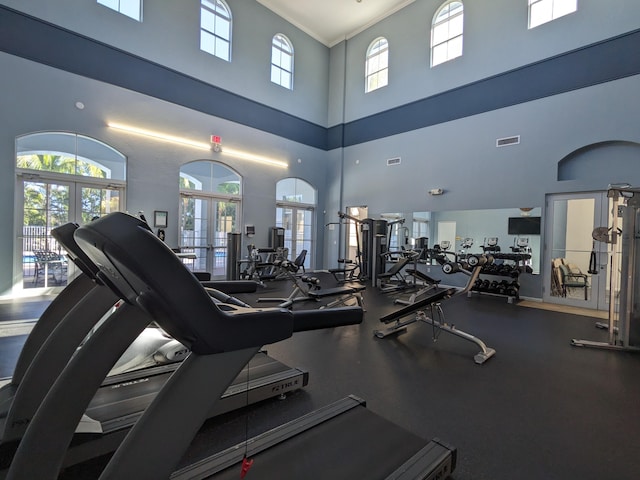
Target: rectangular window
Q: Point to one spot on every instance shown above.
(130, 8)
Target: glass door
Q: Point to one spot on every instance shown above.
(298, 231)
(205, 222)
(48, 204)
(576, 267)
(96, 201)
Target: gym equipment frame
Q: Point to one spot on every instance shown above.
(121, 398)
(436, 318)
(148, 277)
(624, 321)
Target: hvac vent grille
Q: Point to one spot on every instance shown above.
(393, 161)
(503, 142)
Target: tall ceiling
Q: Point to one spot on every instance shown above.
(331, 21)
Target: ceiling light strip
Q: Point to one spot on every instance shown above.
(200, 145)
(253, 158)
(160, 136)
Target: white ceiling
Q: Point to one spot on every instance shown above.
(331, 21)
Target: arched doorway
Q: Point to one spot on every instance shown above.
(295, 212)
(210, 206)
(61, 177)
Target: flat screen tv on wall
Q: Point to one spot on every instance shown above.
(524, 225)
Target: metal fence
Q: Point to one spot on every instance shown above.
(37, 238)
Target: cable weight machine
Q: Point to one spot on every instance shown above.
(624, 312)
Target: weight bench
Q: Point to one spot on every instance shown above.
(394, 273)
(346, 293)
(433, 303)
(346, 273)
(428, 285)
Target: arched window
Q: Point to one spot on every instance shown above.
(62, 177)
(70, 154)
(543, 11)
(295, 212)
(282, 61)
(210, 195)
(377, 65)
(130, 8)
(215, 28)
(446, 33)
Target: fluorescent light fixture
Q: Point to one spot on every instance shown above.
(253, 158)
(160, 136)
(192, 143)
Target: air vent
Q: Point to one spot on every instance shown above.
(393, 161)
(503, 142)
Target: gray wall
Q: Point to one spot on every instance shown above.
(496, 40)
(457, 154)
(170, 35)
(43, 98)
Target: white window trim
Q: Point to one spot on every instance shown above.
(553, 15)
(217, 35)
(449, 39)
(137, 18)
(369, 56)
(279, 67)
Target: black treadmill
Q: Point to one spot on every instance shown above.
(323, 444)
(221, 341)
(121, 398)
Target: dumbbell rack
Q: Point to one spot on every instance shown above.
(512, 266)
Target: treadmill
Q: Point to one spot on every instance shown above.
(221, 341)
(122, 397)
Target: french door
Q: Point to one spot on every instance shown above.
(204, 224)
(571, 219)
(49, 203)
(298, 230)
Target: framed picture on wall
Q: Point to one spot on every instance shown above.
(160, 219)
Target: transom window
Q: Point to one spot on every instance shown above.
(543, 11)
(215, 28)
(130, 8)
(446, 33)
(377, 64)
(282, 61)
(69, 154)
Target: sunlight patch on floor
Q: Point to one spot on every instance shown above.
(564, 309)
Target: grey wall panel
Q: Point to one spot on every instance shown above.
(169, 35)
(50, 45)
(461, 156)
(590, 65)
(599, 63)
(496, 40)
(43, 98)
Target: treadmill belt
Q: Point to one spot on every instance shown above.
(356, 444)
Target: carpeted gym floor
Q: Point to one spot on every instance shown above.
(539, 409)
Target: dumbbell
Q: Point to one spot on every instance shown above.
(311, 281)
(450, 267)
(513, 289)
(476, 260)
